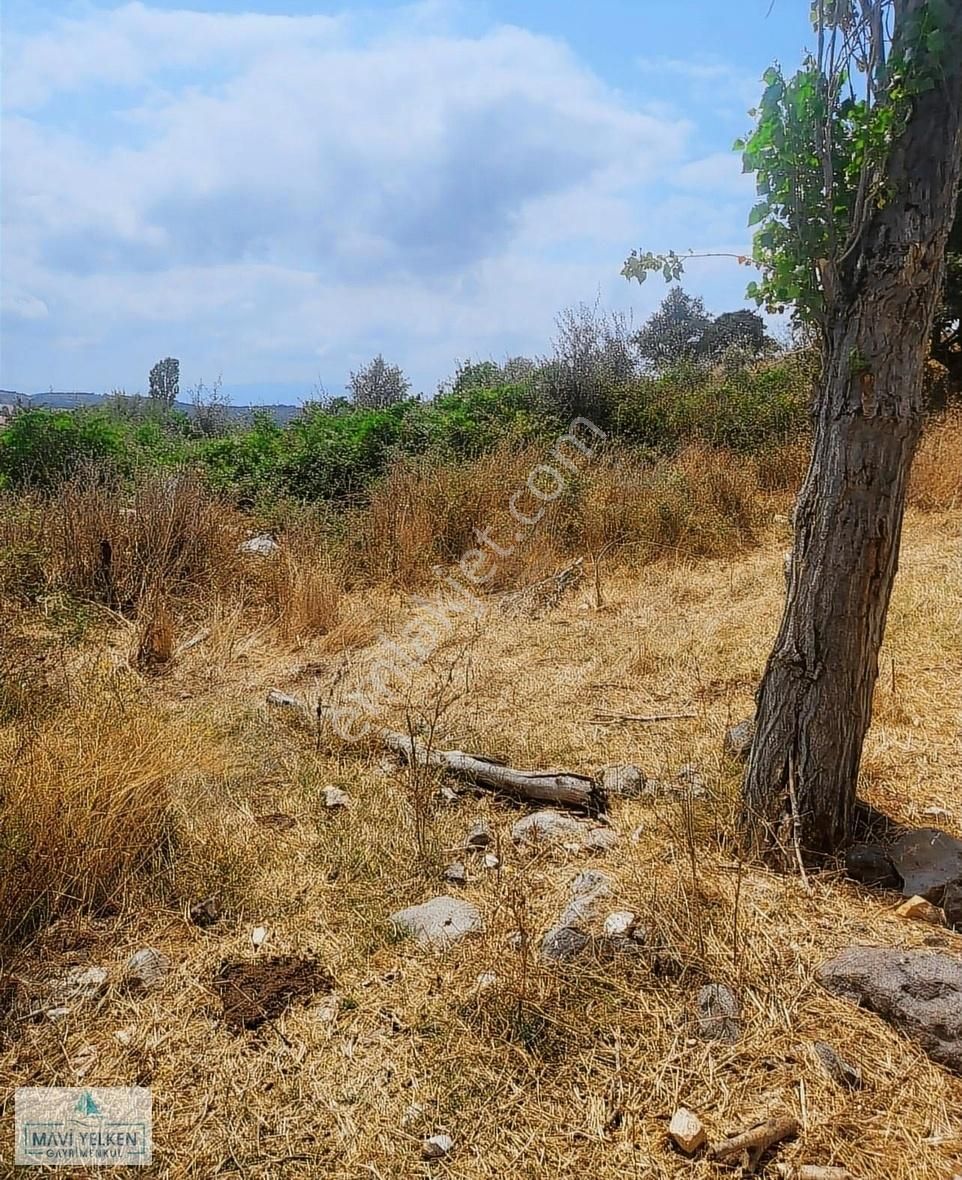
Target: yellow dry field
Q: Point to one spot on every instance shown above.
(543, 1071)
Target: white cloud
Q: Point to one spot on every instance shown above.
(297, 187)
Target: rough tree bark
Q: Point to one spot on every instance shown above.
(815, 700)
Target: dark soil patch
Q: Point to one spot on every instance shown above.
(253, 992)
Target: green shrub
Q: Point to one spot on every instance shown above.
(40, 449)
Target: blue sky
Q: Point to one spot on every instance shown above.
(275, 190)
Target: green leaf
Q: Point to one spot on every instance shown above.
(759, 213)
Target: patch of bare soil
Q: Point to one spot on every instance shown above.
(252, 992)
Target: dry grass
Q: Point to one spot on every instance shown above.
(551, 1071)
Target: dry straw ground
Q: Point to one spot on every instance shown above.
(549, 1071)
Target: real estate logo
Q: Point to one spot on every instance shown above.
(100, 1126)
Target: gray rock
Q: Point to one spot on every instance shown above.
(623, 781)
(717, 1013)
(927, 859)
(334, 797)
(563, 942)
(479, 838)
(871, 865)
(918, 992)
(437, 1147)
(738, 740)
(83, 983)
(692, 781)
(439, 922)
(621, 931)
(263, 545)
(952, 905)
(146, 969)
(837, 1068)
(456, 873)
(600, 840)
(546, 827)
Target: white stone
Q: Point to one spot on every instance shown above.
(335, 797)
(687, 1130)
(262, 545)
(439, 922)
(147, 969)
(545, 827)
(437, 1147)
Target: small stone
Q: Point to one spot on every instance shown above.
(446, 795)
(125, 1036)
(490, 861)
(84, 983)
(437, 1147)
(623, 780)
(335, 797)
(620, 924)
(259, 936)
(479, 837)
(205, 913)
(718, 1014)
(485, 980)
(920, 910)
(439, 922)
(601, 840)
(871, 865)
(836, 1067)
(738, 740)
(563, 942)
(952, 906)
(687, 1130)
(544, 827)
(261, 546)
(637, 834)
(456, 874)
(146, 969)
(56, 1015)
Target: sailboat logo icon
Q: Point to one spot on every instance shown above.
(86, 1105)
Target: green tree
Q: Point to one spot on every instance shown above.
(857, 158)
(378, 385)
(674, 333)
(164, 382)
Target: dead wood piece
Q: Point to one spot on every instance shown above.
(813, 1172)
(643, 718)
(541, 786)
(756, 1140)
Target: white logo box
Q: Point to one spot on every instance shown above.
(84, 1126)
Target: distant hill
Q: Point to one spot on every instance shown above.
(74, 399)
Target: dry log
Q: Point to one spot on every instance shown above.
(643, 718)
(813, 1172)
(561, 788)
(539, 786)
(755, 1141)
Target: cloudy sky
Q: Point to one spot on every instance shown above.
(275, 190)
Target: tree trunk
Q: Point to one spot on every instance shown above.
(815, 699)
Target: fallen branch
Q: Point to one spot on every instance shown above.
(539, 786)
(813, 1172)
(562, 788)
(643, 718)
(755, 1141)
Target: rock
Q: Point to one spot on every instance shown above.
(687, 1130)
(546, 827)
(439, 922)
(446, 795)
(84, 983)
(621, 931)
(952, 906)
(927, 859)
(692, 782)
(871, 865)
(623, 781)
(718, 1014)
(561, 943)
(261, 546)
(918, 992)
(456, 874)
(259, 936)
(601, 840)
(485, 980)
(146, 969)
(56, 1015)
(738, 740)
(637, 834)
(335, 797)
(569, 936)
(920, 910)
(491, 861)
(205, 913)
(836, 1067)
(437, 1147)
(479, 838)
